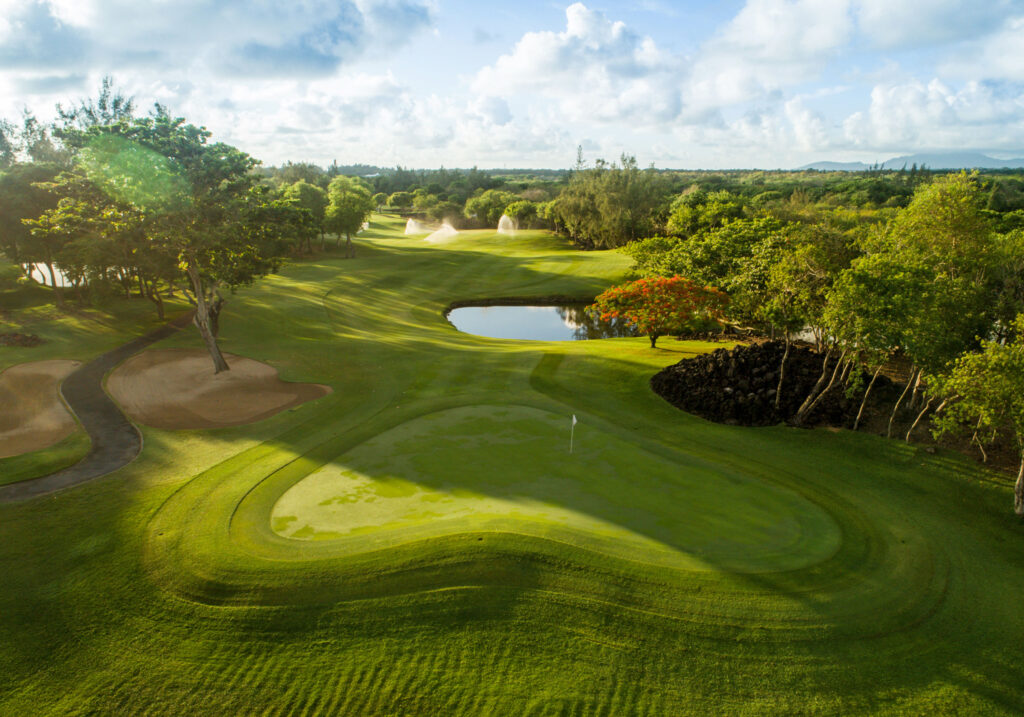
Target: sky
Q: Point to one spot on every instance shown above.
(457, 83)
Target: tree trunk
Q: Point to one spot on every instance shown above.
(805, 409)
(215, 306)
(153, 294)
(917, 420)
(814, 391)
(864, 401)
(126, 282)
(782, 373)
(974, 439)
(892, 417)
(914, 395)
(654, 339)
(1018, 487)
(202, 319)
(58, 292)
(847, 372)
(350, 250)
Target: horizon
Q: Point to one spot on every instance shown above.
(762, 84)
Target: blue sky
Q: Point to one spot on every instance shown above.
(738, 83)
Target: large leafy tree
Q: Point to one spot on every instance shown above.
(610, 205)
(311, 198)
(924, 285)
(736, 257)
(22, 197)
(197, 199)
(350, 204)
(984, 391)
(695, 210)
(487, 207)
(660, 305)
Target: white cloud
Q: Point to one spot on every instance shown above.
(769, 45)
(912, 23)
(321, 79)
(809, 130)
(308, 38)
(596, 70)
(996, 56)
(936, 116)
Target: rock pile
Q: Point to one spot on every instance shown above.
(738, 387)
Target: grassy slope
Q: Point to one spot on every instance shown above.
(671, 566)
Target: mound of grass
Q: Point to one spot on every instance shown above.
(421, 541)
(50, 460)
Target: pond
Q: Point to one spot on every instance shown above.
(562, 322)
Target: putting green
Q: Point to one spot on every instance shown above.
(460, 470)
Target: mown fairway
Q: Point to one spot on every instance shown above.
(420, 541)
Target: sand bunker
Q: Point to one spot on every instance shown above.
(33, 416)
(177, 389)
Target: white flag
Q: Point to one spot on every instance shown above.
(574, 419)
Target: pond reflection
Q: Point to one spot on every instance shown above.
(562, 322)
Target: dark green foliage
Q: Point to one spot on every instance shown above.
(487, 207)
(21, 198)
(695, 210)
(611, 205)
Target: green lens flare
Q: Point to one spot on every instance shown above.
(131, 173)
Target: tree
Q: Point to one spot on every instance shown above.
(985, 390)
(487, 207)
(51, 231)
(110, 107)
(22, 196)
(523, 213)
(349, 206)
(197, 201)
(8, 145)
(660, 305)
(38, 144)
(692, 211)
(610, 205)
(924, 285)
(311, 198)
(735, 257)
(400, 200)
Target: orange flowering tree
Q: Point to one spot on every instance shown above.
(660, 305)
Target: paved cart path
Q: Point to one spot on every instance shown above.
(115, 440)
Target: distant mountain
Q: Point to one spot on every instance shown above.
(945, 160)
(837, 166)
(953, 160)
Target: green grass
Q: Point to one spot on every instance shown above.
(420, 541)
(76, 332)
(40, 463)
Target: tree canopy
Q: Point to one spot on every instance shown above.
(661, 305)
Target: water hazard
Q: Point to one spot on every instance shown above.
(562, 322)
